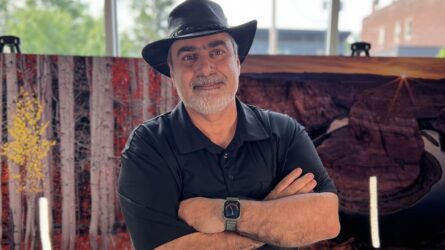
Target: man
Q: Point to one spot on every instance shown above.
(216, 173)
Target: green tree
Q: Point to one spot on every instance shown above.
(75, 8)
(64, 27)
(150, 24)
(441, 53)
(3, 15)
(3, 4)
(56, 27)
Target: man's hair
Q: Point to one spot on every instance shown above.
(234, 46)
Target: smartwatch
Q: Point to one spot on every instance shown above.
(231, 212)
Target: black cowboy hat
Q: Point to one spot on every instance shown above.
(195, 18)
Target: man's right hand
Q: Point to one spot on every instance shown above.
(293, 184)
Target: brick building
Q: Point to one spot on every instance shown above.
(406, 28)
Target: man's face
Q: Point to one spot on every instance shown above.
(205, 71)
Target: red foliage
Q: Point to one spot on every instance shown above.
(121, 89)
(155, 91)
(120, 241)
(127, 83)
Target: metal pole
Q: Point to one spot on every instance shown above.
(332, 32)
(273, 31)
(111, 36)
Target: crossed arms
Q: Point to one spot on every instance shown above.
(291, 215)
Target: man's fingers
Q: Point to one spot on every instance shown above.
(300, 183)
(289, 179)
(309, 187)
(292, 184)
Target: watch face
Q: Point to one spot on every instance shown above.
(232, 209)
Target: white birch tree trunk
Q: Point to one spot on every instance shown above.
(66, 108)
(1, 136)
(15, 197)
(30, 219)
(34, 226)
(94, 169)
(45, 93)
(30, 197)
(102, 152)
(134, 104)
(107, 169)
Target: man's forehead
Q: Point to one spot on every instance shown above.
(201, 42)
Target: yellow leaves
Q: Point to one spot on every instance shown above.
(28, 146)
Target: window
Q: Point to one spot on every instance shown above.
(55, 27)
(77, 27)
(408, 29)
(397, 32)
(301, 24)
(381, 36)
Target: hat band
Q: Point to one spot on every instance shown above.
(192, 29)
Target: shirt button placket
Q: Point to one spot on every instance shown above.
(227, 172)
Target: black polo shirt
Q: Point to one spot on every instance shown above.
(167, 159)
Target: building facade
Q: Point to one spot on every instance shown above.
(406, 28)
(297, 42)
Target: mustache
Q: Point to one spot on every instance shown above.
(208, 80)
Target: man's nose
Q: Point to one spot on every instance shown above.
(205, 65)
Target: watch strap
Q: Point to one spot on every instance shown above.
(232, 199)
(230, 225)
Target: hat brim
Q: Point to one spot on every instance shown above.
(156, 53)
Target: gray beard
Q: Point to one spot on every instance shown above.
(210, 105)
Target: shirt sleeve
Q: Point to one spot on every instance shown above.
(301, 152)
(149, 194)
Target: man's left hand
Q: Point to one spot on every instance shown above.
(203, 214)
(293, 184)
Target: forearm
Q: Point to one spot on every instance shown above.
(215, 241)
(295, 220)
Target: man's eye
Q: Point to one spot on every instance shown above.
(218, 52)
(188, 58)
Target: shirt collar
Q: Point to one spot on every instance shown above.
(189, 138)
(249, 126)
